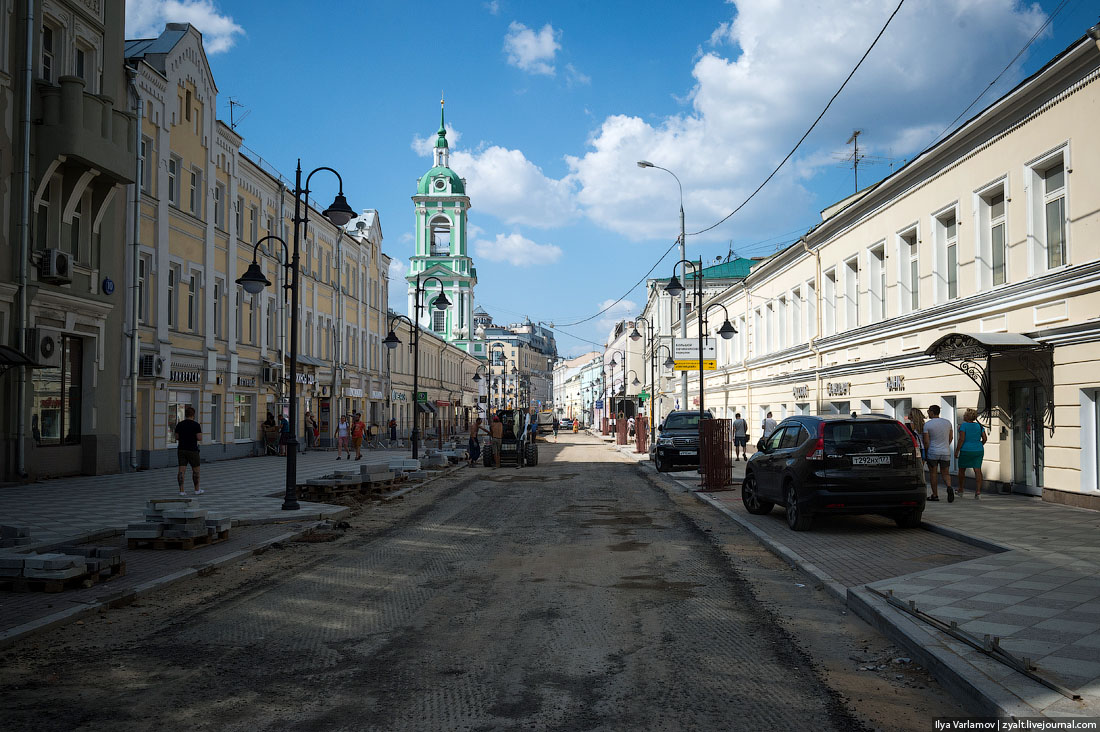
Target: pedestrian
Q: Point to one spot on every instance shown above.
(284, 433)
(576, 426)
(740, 437)
(556, 425)
(342, 432)
(630, 427)
(914, 422)
(970, 450)
(937, 447)
(188, 436)
(473, 449)
(270, 431)
(357, 431)
(373, 431)
(496, 435)
(393, 429)
(311, 430)
(768, 425)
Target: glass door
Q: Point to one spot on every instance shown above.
(1027, 437)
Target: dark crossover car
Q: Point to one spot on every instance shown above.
(841, 464)
(677, 444)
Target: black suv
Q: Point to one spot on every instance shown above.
(841, 464)
(677, 442)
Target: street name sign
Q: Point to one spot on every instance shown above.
(685, 354)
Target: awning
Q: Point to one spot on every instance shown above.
(13, 357)
(426, 407)
(972, 354)
(310, 361)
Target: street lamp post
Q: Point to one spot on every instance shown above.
(651, 344)
(727, 330)
(683, 255)
(392, 341)
(489, 356)
(253, 281)
(615, 363)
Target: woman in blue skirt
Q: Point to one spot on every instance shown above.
(970, 450)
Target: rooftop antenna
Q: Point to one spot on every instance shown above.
(233, 122)
(854, 142)
(857, 158)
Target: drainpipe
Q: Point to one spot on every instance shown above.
(812, 342)
(24, 242)
(139, 109)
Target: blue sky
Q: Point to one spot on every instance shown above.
(549, 105)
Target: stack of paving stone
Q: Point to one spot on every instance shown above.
(105, 561)
(14, 536)
(375, 478)
(331, 486)
(175, 520)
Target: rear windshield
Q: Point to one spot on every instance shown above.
(678, 421)
(839, 434)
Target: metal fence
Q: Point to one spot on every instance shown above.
(716, 452)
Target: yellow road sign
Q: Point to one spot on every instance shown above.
(708, 365)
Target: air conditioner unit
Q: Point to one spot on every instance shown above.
(44, 346)
(151, 366)
(56, 267)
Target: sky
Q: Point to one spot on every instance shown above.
(549, 106)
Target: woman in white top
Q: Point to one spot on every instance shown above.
(342, 438)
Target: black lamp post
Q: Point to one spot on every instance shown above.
(489, 355)
(392, 341)
(651, 345)
(614, 363)
(253, 282)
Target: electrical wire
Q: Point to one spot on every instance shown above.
(811, 129)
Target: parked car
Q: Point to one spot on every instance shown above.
(837, 464)
(677, 444)
(565, 424)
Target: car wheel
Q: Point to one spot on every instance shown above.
(754, 504)
(658, 463)
(909, 519)
(797, 517)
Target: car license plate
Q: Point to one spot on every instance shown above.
(870, 459)
(689, 452)
(507, 448)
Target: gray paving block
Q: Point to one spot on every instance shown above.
(50, 561)
(184, 513)
(184, 533)
(160, 504)
(9, 561)
(108, 552)
(143, 533)
(54, 573)
(17, 541)
(8, 531)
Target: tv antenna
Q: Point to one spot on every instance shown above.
(857, 157)
(233, 121)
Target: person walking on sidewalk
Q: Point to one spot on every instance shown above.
(473, 449)
(188, 437)
(937, 444)
(357, 430)
(914, 422)
(311, 431)
(556, 424)
(970, 450)
(342, 438)
(768, 425)
(393, 430)
(284, 433)
(740, 437)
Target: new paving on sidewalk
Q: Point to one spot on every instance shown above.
(1016, 568)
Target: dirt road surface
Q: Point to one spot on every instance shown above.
(578, 594)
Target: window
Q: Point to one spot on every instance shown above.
(908, 271)
(143, 163)
(239, 220)
(215, 417)
(1053, 214)
(42, 219)
(811, 310)
(58, 393)
(173, 181)
(219, 205)
(217, 308)
(851, 293)
(142, 288)
(990, 247)
(237, 311)
(440, 232)
(192, 293)
(439, 320)
(242, 417)
(173, 281)
(947, 247)
(74, 231)
(876, 285)
(997, 237)
(196, 192)
(270, 323)
(758, 332)
(252, 319)
(796, 316)
(187, 105)
(828, 325)
(49, 41)
(254, 224)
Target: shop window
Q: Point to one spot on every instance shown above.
(178, 402)
(58, 393)
(242, 416)
(215, 428)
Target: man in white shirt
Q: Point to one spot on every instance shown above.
(740, 437)
(768, 425)
(937, 443)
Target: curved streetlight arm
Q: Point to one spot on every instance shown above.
(706, 311)
(286, 249)
(647, 164)
(398, 317)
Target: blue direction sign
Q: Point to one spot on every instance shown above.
(599, 404)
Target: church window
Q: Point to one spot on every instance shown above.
(441, 236)
(439, 320)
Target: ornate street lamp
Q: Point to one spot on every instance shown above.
(253, 282)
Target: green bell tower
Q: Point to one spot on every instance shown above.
(440, 206)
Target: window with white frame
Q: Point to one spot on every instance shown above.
(828, 305)
(238, 217)
(142, 287)
(75, 224)
(908, 271)
(1047, 198)
(219, 288)
(851, 293)
(796, 316)
(811, 309)
(219, 205)
(192, 303)
(51, 42)
(254, 225)
(270, 323)
(195, 192)
(237, 310)
(173, 283)
(876, 282)
(242, 416)
(439, 320)
(990, 246)
(946, 231)
(781, 313)
(42, 218)
(758, 332)
(144, 163)
(173, 181)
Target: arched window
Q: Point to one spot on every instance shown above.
(440, 228)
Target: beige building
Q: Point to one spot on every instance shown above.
(202, 340)
(67, 150)
(969, 278)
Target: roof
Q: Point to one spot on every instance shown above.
(734, 269)
(423, 186)
(159, 46)
(969, 345)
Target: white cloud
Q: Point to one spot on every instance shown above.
(516, 250)
(532, 51)
(781, 65)
(493, 6)
(621, 310)
(575, 77)
(425, 146)
(398, 270)
(146, 19)
(505, 184)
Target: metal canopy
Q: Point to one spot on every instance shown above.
(972, 353)
(426, 407)
(12, 357)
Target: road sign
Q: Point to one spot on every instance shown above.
(687, 349)
(693, 365)
(599, 404)
(643, 395)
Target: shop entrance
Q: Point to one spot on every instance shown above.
(1027, 400)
